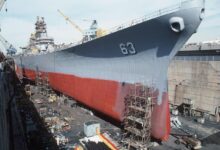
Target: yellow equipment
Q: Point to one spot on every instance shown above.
(101, 32)
(71, 22)
(34, 50)
(52, 98)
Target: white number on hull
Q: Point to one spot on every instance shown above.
(123, 49)
(131, 48)
(127, 48)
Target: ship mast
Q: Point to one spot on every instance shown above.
(39, 40)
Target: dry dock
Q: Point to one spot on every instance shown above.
(11, 128)
(34, 116)
(194, 77)
(194, 90)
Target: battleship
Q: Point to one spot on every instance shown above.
(99, 70)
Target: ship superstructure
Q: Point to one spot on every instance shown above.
(39, 41)
(100, 71)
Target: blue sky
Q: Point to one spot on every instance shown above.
(18, 22)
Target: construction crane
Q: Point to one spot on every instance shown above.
(8, 47)
(71, 22)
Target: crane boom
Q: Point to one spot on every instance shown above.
(2, 3)
(8, 47)
(71, 22)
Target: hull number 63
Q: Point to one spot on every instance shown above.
(128, 48)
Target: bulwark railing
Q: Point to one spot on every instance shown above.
(147, 17)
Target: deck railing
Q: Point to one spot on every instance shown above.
(150, 16)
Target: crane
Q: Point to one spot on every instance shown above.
(2, 3)
(71, 22)
(8, 47)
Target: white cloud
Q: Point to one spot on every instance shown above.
(16, 31)
(64, 33)
(210, 27)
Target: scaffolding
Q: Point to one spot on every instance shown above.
(137, 118)
(42, 83)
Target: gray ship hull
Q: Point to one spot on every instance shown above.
(100, 72)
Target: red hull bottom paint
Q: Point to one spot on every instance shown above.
(104, 96)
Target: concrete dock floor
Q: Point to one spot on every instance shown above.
(208, 133)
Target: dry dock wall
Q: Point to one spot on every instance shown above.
(4, 122)
(195, 78)
(11, 134)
